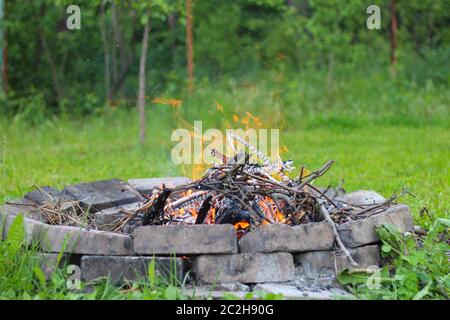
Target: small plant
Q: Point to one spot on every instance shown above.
(416, 268)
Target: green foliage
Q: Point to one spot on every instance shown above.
(257, 34)
(16, 235)
(311, 69)
(415, 268)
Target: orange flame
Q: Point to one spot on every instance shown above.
(271, 211)
(241, 225)
(168, 101)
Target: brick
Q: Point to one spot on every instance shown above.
(101, 194)
(78, 241)
(147, 185)
(361, 197)
(315, 262)
(185, 239)
(49, 262)
(20, 206)
(48, 195)
(244, 268)
(362, 232)
(121, 269)
(290, 292)
(204, 293)
(284, 238)
(33, 229)
(108, 216)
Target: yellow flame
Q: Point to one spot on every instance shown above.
(241, 225)
(219, 107)
(168, 101)
(283, 149)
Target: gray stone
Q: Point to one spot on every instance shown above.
(316, 262)
(82, 241)
(315, 281)
(290, 292)
(147, 185)
(108, 216)
(121, 269)
(20, 206)
(49, 262)
(362, 232)
(74, 240)
(33, 229)
(102, 194)
(244, 268)
(185, 239)
(47, 195)
(361, 197)
(331, 192)
(284, 238)
(230, 287)
(205, 293)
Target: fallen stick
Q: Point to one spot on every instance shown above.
(336, 233)
(379, 205)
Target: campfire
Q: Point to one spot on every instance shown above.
(233, 191)
(248, 195)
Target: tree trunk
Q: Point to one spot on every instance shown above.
(141, 92)
(171, 22)
(3, 48)
(189, 46)
(118, 39)
(394, 27)
(107, 75)
(53, 69)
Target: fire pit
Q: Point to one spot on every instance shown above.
(242, 223)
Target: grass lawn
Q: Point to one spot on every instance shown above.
(382, 158)
(383, 136)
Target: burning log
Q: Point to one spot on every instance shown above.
(204, 210)
(157, 208)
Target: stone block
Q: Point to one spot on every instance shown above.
(315, 262)
(361, 197)
(74, 240)
(284, 238)
(108, 216)
(148, 184)
(362, 232)
(48, 195)
(244, 268)
(101, 194)
(80, 241)
(49, 262)
(185, 239)
(20, 206)
(290, 292)
(120, 269)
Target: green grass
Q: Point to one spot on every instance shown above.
(23, 277)
(382, 158)
(383, 134)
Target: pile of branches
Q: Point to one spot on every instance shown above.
(254, 193)
(55, 209)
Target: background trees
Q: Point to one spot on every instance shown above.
(77, 71)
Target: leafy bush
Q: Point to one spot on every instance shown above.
(416, 268)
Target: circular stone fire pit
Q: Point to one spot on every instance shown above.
(300, 262)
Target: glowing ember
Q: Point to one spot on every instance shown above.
(241, 225)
